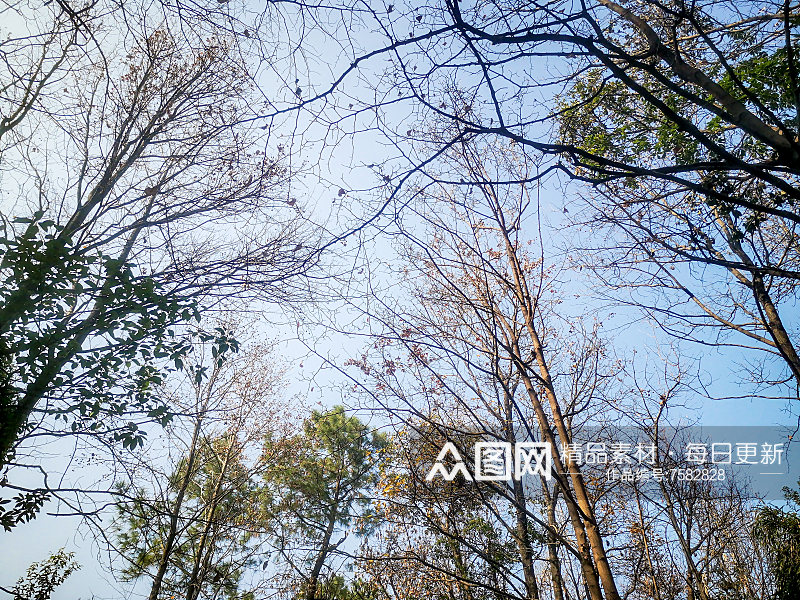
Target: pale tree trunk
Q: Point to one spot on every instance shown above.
(521, 534)
(528, 305)
(646, 544)
(588, 569)
(579, 505)
(195, 579)
(576, 515)
(172, 532)
(693, 577)
(552, 544)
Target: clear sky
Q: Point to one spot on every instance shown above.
(326, 168)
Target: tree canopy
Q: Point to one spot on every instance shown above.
(556, 233)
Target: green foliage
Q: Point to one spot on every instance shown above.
(85, 343)
(778, 532)
(83, 331)
(215, 519)
(609, 120)
(44, 577)
(326, 471)
(766, 75)
(319, 485)
(696, 190)
(26, 506)
(604, 118)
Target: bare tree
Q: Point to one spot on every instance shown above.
(681, 117)
(483, 354)
(142, 189)
(194, 522)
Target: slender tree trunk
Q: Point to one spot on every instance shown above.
(527, 304)
(693, 575)
(316, 569)
(193, 587)
(584, 549)
(522, 535)
(769, 314)
(594, 564)
(646, 544)
(172, 533)
(458, 557)
(552, 545)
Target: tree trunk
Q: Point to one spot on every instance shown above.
(590, 574)
(313, 579)
(521, 536)
(527, 305)
(172, 533)
(552, 545)
(195, 580)
(15, 415)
